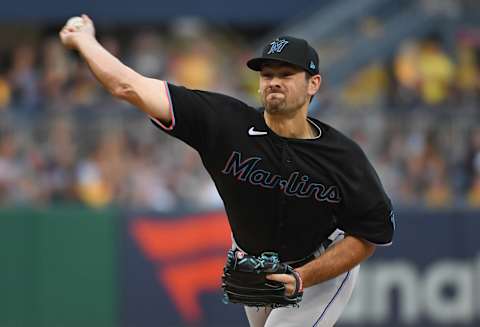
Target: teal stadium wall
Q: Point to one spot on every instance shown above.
(58, 268)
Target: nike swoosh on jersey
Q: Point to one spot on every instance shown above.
(253, 132)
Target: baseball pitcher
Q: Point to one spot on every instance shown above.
(304, 204)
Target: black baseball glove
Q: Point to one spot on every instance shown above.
(244, 281)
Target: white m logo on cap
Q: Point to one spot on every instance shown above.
(277, 46)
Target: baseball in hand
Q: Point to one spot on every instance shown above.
(75, 22)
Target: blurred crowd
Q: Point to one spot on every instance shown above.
(63, 139)
(422, 73)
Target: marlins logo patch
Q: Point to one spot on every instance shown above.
(277, 46)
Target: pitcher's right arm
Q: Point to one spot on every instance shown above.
(148, 94)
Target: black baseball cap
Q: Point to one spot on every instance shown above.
(289, 50)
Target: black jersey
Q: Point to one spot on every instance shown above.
(281, 194)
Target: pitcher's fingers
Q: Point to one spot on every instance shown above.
(87, 19)
(282, 278)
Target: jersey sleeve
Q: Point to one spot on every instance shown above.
(197, 117)
(366, 211)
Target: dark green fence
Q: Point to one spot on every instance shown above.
(58, 267)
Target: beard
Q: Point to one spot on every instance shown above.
(278, 103)
(274, 102)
